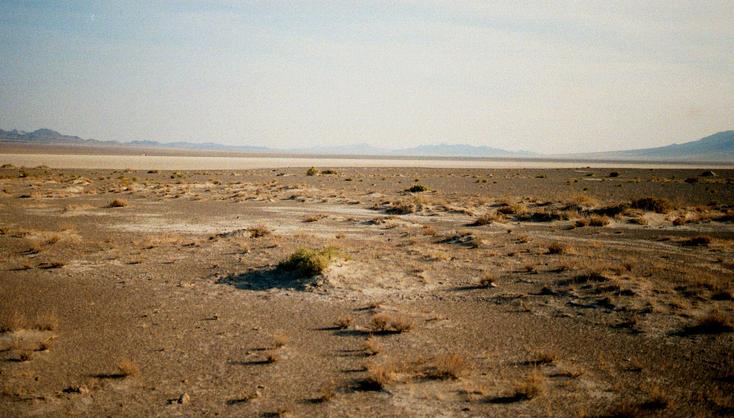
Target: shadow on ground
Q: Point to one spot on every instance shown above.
(269, 278)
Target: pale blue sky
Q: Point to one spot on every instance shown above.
(547, 77)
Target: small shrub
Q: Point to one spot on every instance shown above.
(417, 188)
(487, 281)
(258, 231)
(652, 204)
(280, 339)
(486, 219)
(118, 203)
(309, 262)
(344, 323)
(599, 221)
(128, 368)
(388, 324)
(401, 208)
(271, 357)
(557, 248)
(446, 366)
(542, 357)
(379, 376)
(313, 171)
(371, 346)
(313, 218)
(46, 322)
(12, 321)
(329, 172)
(532, 386)
(614, 174)
(583, 222)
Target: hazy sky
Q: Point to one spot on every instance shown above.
(551, 77)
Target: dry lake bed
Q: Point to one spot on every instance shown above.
(410, 291)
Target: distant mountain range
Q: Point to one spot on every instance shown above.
(717, 147)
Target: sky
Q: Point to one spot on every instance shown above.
(544, 76)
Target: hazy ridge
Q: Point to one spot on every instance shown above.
(716, 147)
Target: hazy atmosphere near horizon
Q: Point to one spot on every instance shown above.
(552, 78)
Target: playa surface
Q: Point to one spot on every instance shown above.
(488, 291)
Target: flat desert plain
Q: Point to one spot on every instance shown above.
(366, 291)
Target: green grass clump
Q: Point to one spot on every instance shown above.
(313, 171)
(308, 261)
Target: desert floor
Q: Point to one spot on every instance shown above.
(493, 292)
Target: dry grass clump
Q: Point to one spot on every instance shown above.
(280, 339)
(326, 393)
(309, 262)
(557, 248)
(598, 221)
(344, 322)
(128, 368)
(401, 208)
(446, 366)
(372, 346)
(535, 384)
(118, 203)
(512, 209)
(487, 281)
(384, 323)
(486, 219)
(652, 204)
(581, 223)
(12, 321)
(313, 218)
(258, 231)
(541, 358)
(271, 357)
(379, 376)
(46, 321)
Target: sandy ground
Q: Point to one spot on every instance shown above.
(491, 293)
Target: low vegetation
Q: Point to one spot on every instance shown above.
(384, 323)
(117, 203)
(309, 262)
(417, 188)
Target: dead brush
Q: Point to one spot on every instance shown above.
(445, 366)
(487, 281)
(379, 376)
(258, 231)
(280, 339)
(12, 321)
(117, 203)
(344, 322)
(383, 323)
(46, 321)
(326, 393)
(371, 346)
(599, 221)
(128, 368)
(486, 219)
(533, 385)
(558, 248)
(539, 358)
